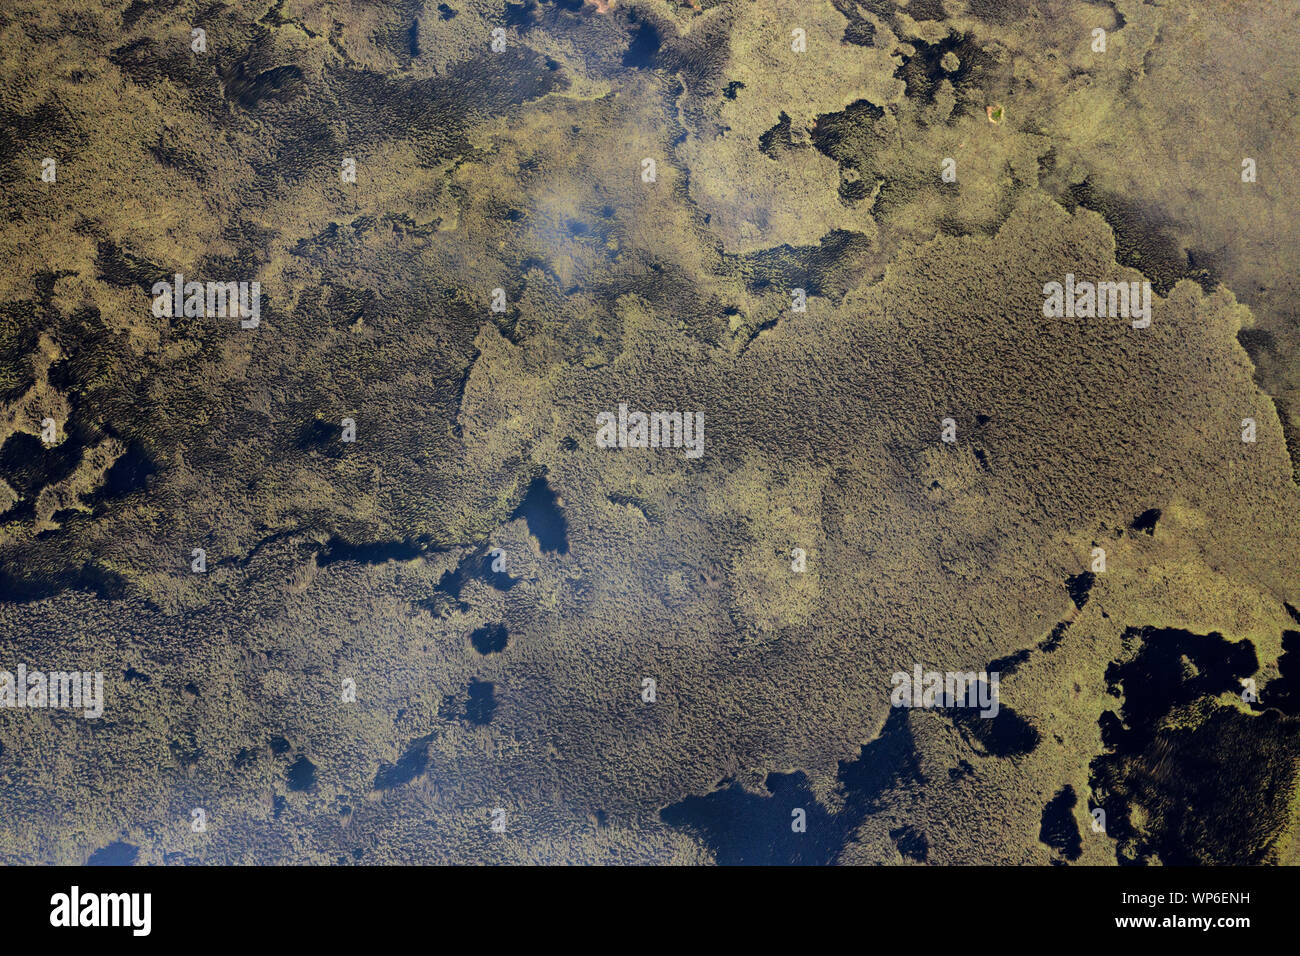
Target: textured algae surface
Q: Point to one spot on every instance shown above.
(495, 586)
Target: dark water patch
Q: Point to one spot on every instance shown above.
(541, 510)
(320, 436)
(852, 138)
(911, 844)
(490, 638)
(1206, 794)
(481, 703)
(118, 853)
(1173, 667)
(1058, 828)
(445, 12)
(27, 465)
(139, 677)
(278, 805)
(887, 762)
(301, 775)
(279, 746)
(750, 829)
(413, 38)
(413, 763)
(1283, 692)
(476, 705)
(1258, 343)
(1146, 521)
(1006, 734)
(734, 87)
(521, 16)
(1168, 789)
(643, 48)
(370, 552)
(127, 475)
(479, 565)
(1295, 614)
(90, 578)
(1079, 586)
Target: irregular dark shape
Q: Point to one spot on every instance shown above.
(749, 829)
(127, 475)
(1283, 692)
(1059, 829)
(860, 31)
(278, 84)
(301, 775)
(1156, 679)
(1008, 664)
(104, 584)
(481, 704)
(490, 638)
(1213, 795)
(1005, 735)
(1079, 585)
(777, 139)
(850, 137)
(912, 845)
(887, 762)
(322, 436)
(642, 52)
(1145, 239)
(924, 71)
(118, 853)
(1187, 778)
(413, 762)
(369, 552)
(546, 522)
(27, 465)
(1054, 639)
(120, 268)
(1146, 521)
(828, 269)
(477, 565)
(131, 674)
